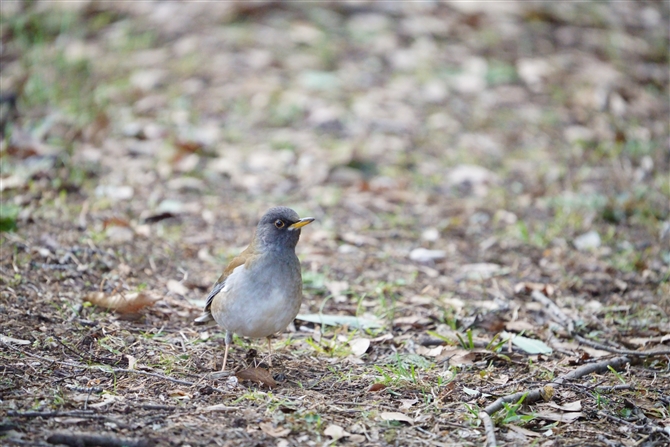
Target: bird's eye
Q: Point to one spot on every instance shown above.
(279, 223)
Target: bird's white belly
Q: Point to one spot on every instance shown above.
(257, 309)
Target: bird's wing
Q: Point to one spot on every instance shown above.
(243, 258)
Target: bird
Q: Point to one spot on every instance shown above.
(260, 291)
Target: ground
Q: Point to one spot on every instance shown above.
(492, 202)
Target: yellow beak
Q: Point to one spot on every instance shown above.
(301, 223)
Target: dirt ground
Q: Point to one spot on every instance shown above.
(490, 260)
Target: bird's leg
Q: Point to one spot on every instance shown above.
(229, 339)
(270, 349)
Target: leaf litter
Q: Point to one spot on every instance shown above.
(459, 184)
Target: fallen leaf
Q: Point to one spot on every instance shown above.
(528, 287)
(376, 387)
(395, 416)
(115, 222)
(275, 432)
(407, 403)
(179, 394)
(472, 392)
(340, 320)
(176, 287)
(258, 375)
(106, 400)
(567, 418)
(382, 338)
(459, 357)
(593, 353)
(429, 352)
(530, 345)
(337, 289)
(219, 407)
(336, 432)
(15, 341)
(359, 346)
(114, 192)
(643, 341)
(415, 321)
(571, 406)
(519, 326)
(120, 302)
(481, 270)
(524, 431)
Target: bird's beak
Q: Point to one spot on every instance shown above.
(301, 223)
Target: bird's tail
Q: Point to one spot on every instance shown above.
(205, 318)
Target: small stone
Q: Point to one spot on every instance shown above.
(424, 255)
(430, 234)
(587, 241)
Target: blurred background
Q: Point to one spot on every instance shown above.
(522, 139)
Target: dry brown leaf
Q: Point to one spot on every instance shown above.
(275, 432)
(429, 352)
(520, 326)
(376, 387)
(179, 394)
(396, 416)
(528, 287)
(459, 357)
(258, 375)
(121, 302)
(115, 222)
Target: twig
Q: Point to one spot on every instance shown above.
(53, 414)
(554, 310)
(607, 389)
(620, 421)
(542, 393)
(86, 439)
(489, 429)
(88, 414)
(108, 369)
(613, 350)
(648, 427)
(538, 393)
(158, 407)
(561, 318)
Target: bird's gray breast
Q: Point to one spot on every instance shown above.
(264, 298)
